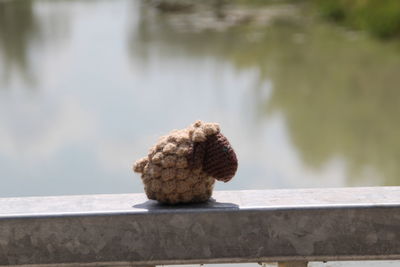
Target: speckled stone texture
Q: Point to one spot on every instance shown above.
(183, 165)
(239, 226)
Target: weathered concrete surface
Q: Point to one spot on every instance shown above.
(242, 226)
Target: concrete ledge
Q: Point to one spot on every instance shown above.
(237, 226)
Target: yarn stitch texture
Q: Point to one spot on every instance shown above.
(182, 167)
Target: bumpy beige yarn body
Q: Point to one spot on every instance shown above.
(183, 165)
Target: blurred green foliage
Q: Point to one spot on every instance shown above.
(380, 18)
(337, 90)
(18, 30)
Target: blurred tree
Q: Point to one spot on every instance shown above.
(380, 18)
(340, 98)
(337, 90)
(18, 28)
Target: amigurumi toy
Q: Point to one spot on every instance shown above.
(183, 165)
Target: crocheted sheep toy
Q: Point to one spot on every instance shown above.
(183, 165)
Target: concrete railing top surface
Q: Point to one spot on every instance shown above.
(222, 200)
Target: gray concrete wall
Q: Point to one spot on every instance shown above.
(241, 226)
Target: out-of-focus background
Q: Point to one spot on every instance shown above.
(308, 92)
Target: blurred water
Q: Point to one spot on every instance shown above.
(86, 87)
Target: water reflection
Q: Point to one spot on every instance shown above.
(18, 30)
(337, 91)
(340, 98)
(297, 98)
(29, 32)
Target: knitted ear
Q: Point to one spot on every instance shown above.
(220, 160)
(216, 157)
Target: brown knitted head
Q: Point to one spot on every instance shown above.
(216, 157)
(182, 166)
